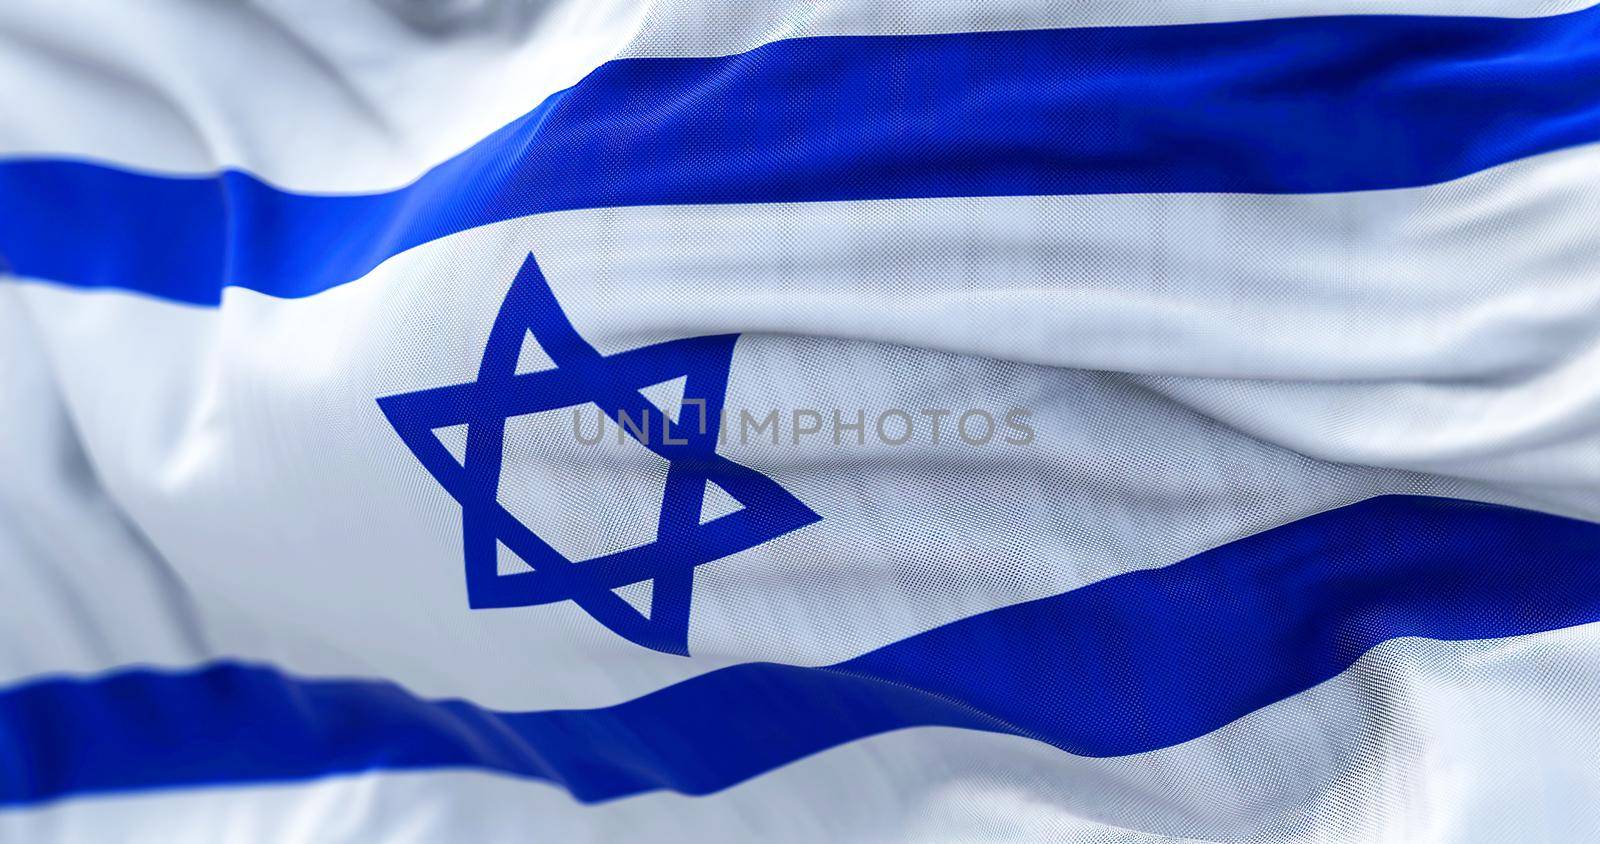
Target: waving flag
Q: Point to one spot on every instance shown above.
(808, 420)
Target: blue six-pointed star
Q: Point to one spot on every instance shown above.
(580, 375)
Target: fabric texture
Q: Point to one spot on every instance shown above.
(849, 420)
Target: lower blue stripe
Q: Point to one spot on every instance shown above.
(1134, 663)
(1278, 106)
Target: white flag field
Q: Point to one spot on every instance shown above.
(800, 421)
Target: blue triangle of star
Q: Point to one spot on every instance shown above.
(613, 382)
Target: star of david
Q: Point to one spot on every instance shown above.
(613, 382)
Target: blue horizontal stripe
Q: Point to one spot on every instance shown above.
(1137, 662)
(1280, 106)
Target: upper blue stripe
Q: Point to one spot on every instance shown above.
(1134, 663)
(1279, 106)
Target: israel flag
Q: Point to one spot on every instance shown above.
(800, 421)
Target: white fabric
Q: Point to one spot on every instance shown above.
(268, 406)
(181, 484)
